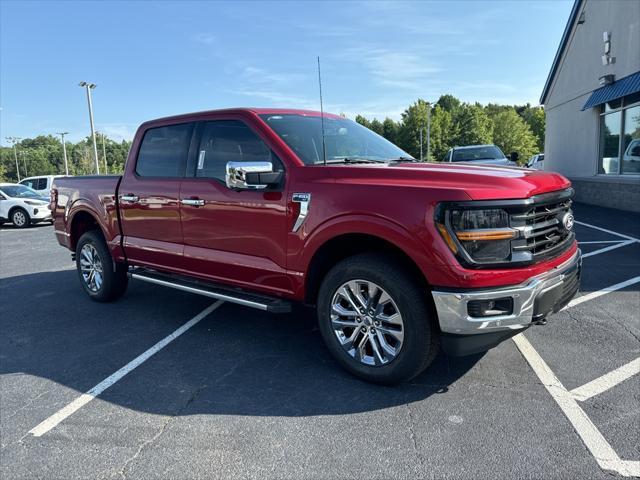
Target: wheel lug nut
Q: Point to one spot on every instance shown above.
(358, 320)
(377, 323)
(363, 329)
(373, 330)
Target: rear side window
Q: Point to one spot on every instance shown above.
(42, 184)
(164, 151)
(229, 141)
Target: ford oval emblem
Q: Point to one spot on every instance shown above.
(567, 221)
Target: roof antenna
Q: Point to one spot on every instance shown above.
(324, 147)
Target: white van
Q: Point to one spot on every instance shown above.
(41, 184)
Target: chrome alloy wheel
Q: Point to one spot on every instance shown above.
(91, 267)
(19, 218)
(367, 322)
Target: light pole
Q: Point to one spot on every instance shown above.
(428, 128)
(15, 140)
(64, 152)
(24, 161)
(421, 129)
(104, 155)
(89, 87)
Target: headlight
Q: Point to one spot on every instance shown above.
(478, 236)
(31, 202)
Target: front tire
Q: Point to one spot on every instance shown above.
(20, 218)
(375, 319)
(101, 278)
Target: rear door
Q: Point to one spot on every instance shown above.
(149, 195)
(234, 236)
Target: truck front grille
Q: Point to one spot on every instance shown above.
(545, 226)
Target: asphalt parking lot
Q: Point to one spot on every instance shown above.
(243, 394)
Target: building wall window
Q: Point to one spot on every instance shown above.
(620, 137)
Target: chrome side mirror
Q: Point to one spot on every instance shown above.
(251, 175)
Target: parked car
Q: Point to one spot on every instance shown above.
(41, 184)
(22, 206)
(536, 162)
(266, 207)
(481, 154)
(631, 157)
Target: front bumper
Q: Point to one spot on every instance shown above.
(532, 302)
(40, 213)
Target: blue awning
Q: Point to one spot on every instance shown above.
(625, 86)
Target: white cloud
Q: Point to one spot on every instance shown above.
(204, 38)
(117, 132)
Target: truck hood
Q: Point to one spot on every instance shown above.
(504, 162)
(479, 182)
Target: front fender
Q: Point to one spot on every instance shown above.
(372, 225)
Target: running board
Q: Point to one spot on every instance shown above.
(260, 302)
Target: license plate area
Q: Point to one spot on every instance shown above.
(558, 297)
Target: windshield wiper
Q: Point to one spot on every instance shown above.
(402, 159)
(352, 160)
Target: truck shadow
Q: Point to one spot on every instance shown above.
(237, 361)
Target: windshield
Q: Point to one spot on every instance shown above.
(344, 139)
(19, 191)
(489, 152)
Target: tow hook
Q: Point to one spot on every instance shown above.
(540, 321)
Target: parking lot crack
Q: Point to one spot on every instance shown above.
(144, 445)
(412, 436)
(26, 405)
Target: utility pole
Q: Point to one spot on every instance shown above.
(104, 155)
(64, 152)
(15, 140)
(428, 129)
(421, 130)
(89, 87)
(24, 161)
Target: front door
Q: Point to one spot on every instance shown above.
(149, 197)
(233, 236)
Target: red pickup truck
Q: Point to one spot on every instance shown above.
(266, 207)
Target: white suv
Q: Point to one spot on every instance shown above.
(22, 206)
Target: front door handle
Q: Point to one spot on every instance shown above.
(194, 202)
(129, 198)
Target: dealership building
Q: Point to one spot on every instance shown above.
(592, 104)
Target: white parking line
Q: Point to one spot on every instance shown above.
(605, 382)
(606, 249)
(85, 398)
(622, 235)
(604, 291)
(591, 242)
(601, 450)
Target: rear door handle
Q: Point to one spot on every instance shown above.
(129, 198)
(194, 202)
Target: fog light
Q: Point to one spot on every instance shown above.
(490, 308)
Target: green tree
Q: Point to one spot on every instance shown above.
(363, 121)
(473, 125)
(512, 134)
(414, 119)
(443, 131)
(376, 126)
(390, 130)
(449, 103)
(535, 118)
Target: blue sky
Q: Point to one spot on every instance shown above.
(153, 59)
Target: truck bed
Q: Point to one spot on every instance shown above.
(95, 193)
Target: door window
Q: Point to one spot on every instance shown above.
(230, 141)
(164, 151)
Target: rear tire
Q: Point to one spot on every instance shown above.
(20, 218)
(103, 279)
(393, 337)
